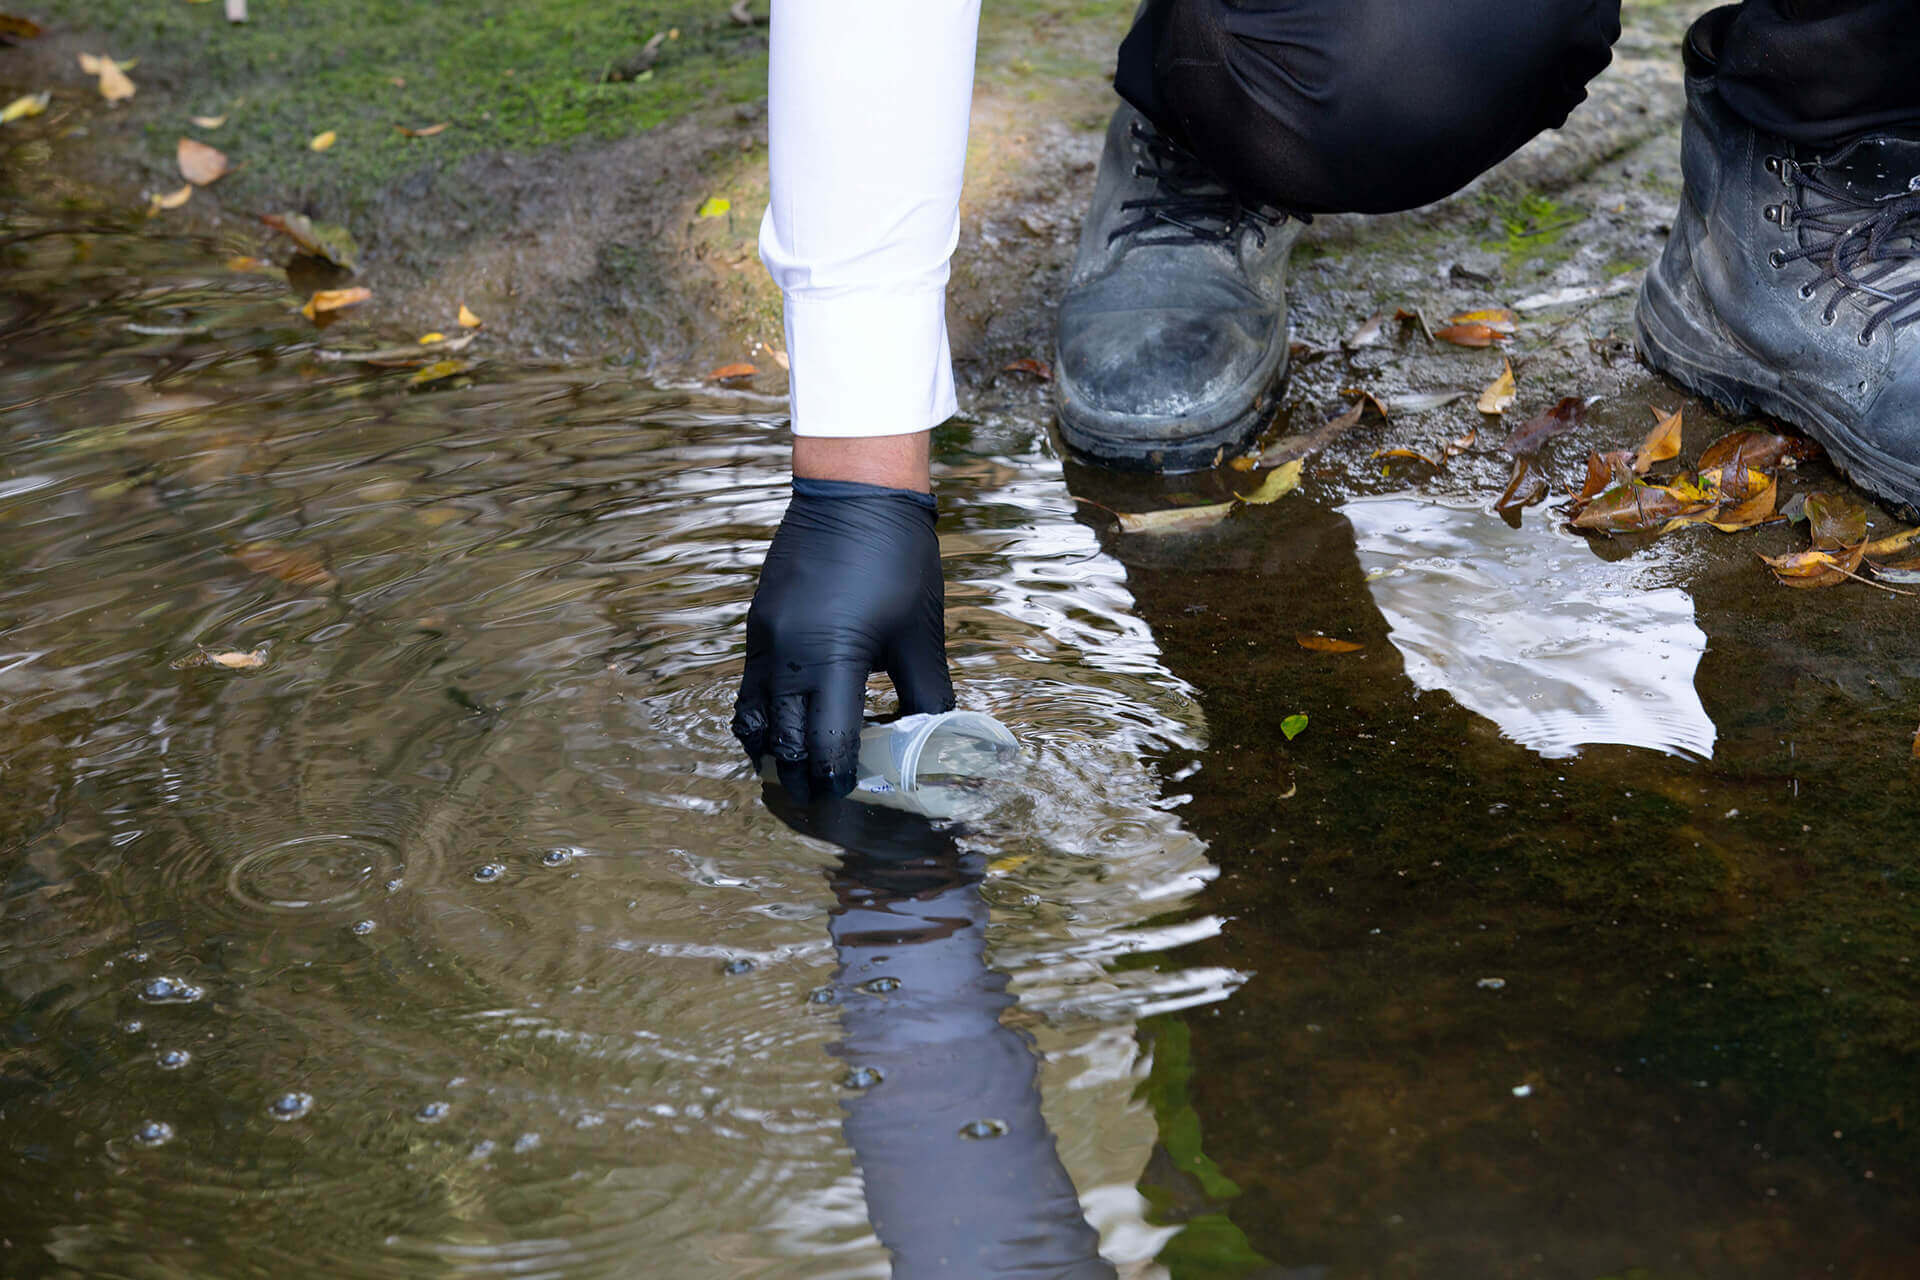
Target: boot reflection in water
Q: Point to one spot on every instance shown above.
(943, 1101)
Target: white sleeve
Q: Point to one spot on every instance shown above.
(867, 136)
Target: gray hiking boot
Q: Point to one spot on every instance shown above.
(1173, 331)
(1789, 285)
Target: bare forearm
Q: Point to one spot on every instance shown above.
(894, 462)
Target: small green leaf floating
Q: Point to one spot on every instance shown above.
(1293, 726)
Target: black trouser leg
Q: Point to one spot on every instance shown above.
(1322, 106)
(1818, 71)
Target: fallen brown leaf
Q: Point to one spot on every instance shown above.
(1460, 444)
(231, 659)
(1637, 508)
(1370, 333)
(468, 320)
(1175, 519)
(1604, 470)
(1526, 486)
(1327, 644)
(1662, 443)
(171, 200)
(329, 300)
(206, 122)
(1836, 521)
(200, 163)
(1756, 508)
(1499, 394)
(1294, 447)
(1881, 548)
(295, 568)
(13, 28)
(1027, 364)
(1809, 570)
(1760, 450)
(1414, 454)
(1545, 425)
(1469, 335)
(730, 372)
(427, 132)
(1498, 319)
(322, 240)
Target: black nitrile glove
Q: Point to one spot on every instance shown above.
(851, 585)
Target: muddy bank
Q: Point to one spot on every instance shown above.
(565, 207)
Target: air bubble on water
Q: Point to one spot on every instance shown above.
(823, 995)
(361, 928)
(862, 1078)
(984, 1129)
(433, 1112)
(153, 1133)
(487, 873)
(1523, 1091)
(166, 990)
(395, 885)
(525, 1142)
(880, 986)
(481, 1149)
(591, 1120)
(137, 956)
(1491, 984)
(737, 965)
(556, 857)
(290, 1106)
(172, 1059)
(132, 1026)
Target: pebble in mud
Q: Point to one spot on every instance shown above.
(290, 1106)
(433, 1112)
(489, 872)
(153, 1133)
(165, 990)
(880, 986)
(556, 857)
(737, 965)
(984, 1129)
(172, 1059)
(862, 1078)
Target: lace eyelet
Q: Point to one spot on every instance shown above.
(1806, 292)
(1776, 260)
(1865, 339)
(1826, 320)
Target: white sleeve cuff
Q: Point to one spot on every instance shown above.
(869, 362)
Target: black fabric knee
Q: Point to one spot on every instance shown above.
(1817, 71)
(1365, 106)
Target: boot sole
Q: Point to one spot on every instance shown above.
(1677, 334)
(1124, 444)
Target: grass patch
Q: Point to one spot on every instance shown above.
(505, 75)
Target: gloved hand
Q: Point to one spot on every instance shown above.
(851, 585)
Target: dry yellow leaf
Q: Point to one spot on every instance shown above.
(426, 132)
(27, 104)
(321, 141)
(172, 200)
(468, 320)
(1175, 519)
(428, 339)
(234, 660)
(1278, 483)
(437, 370)
(114, 85)
(334, 300)
(1662, 443)
(207, 122)
(200, 163)
(1500, 392)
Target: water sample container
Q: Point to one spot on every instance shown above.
(930, 764)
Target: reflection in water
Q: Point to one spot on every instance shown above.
(1530, 629)
(962, 1178)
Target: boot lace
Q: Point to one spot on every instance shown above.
(1865, 245)
(1190, 202)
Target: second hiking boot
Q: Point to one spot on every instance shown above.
(1173, 330)
(1790, 283)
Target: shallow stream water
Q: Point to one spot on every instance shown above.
(446, 933)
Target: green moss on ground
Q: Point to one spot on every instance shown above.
(505, 75)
